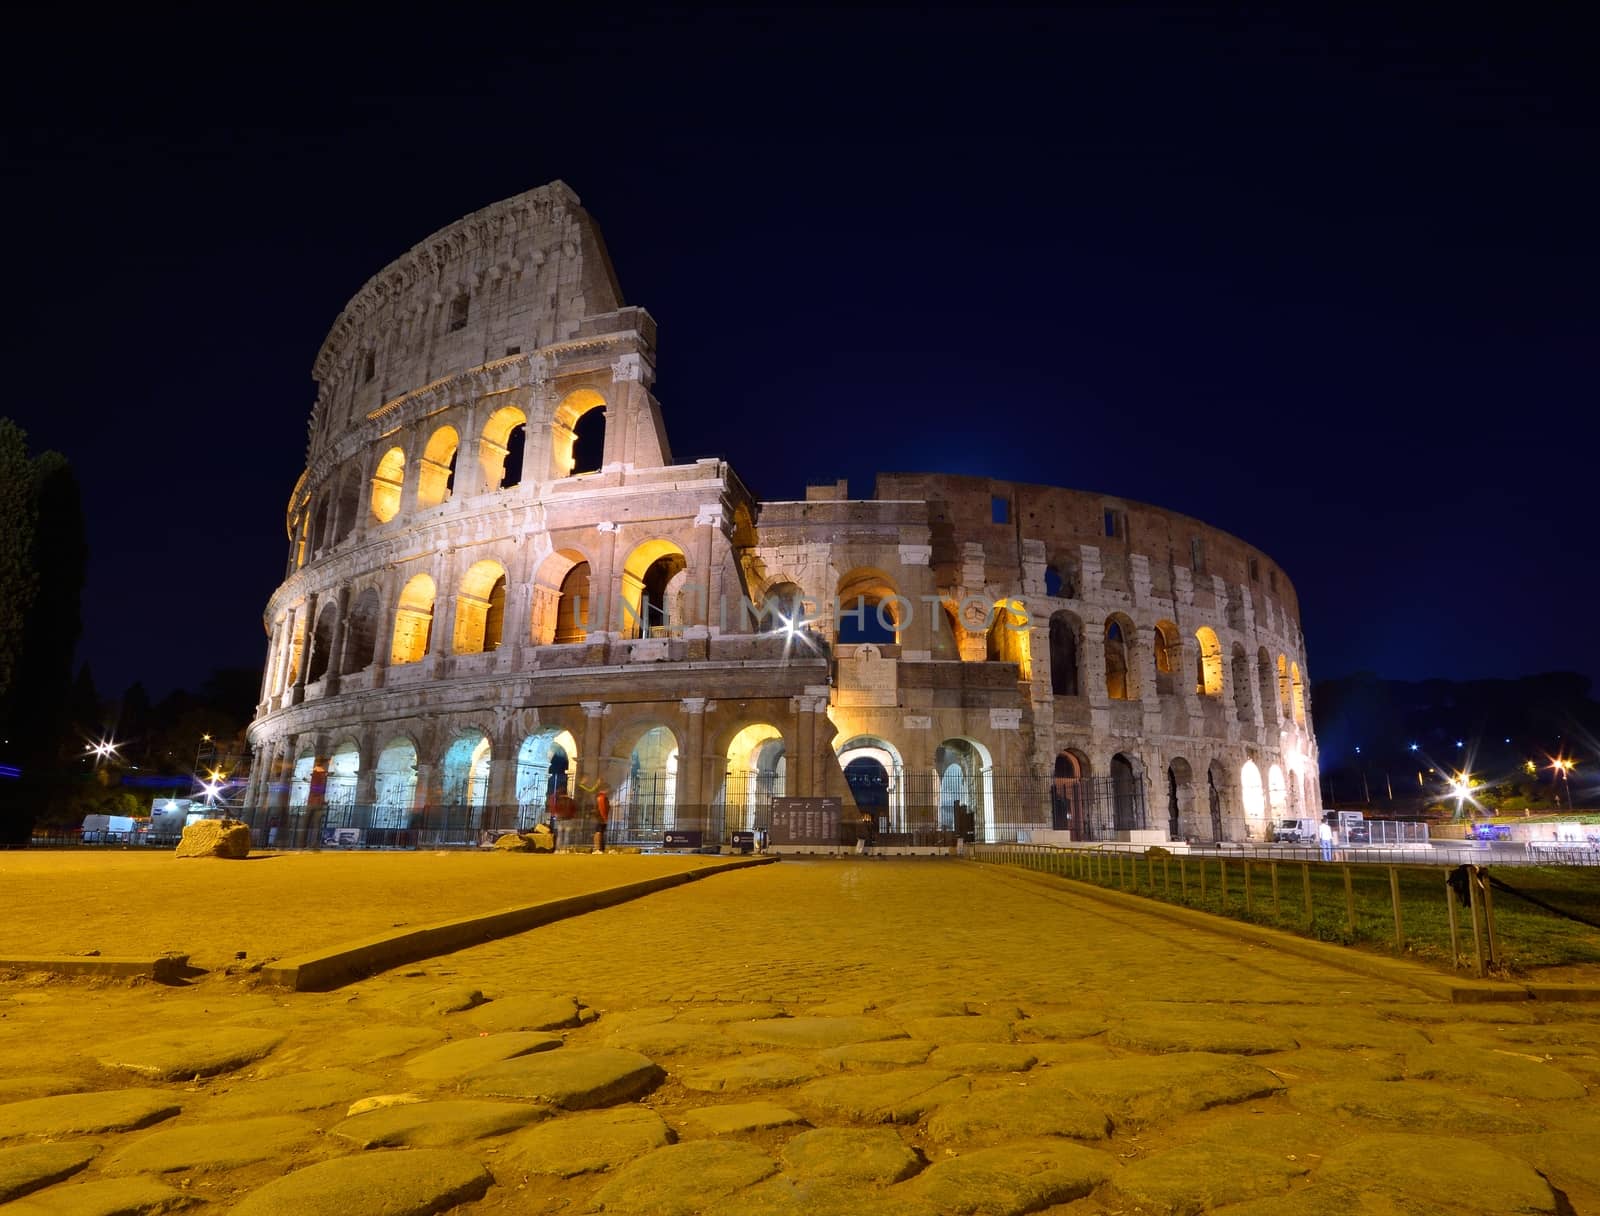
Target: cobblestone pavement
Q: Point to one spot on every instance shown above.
(832, 1036)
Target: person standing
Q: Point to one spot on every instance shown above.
(1325, 839)
(602, 817)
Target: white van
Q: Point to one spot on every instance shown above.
(1295, 831)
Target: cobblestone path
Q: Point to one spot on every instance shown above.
(839, 1036)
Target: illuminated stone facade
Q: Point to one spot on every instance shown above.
(500, 582)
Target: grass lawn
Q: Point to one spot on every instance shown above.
(1529, 937)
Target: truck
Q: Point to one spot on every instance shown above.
(1295, 831)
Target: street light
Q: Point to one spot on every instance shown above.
(1562, 767)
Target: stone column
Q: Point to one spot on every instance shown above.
(691, 759)
(916, 582)
(589, 760)
(444, 605)
(308, 641)
(604, 583)
(805, 744)
(330, 683)
(702, 572)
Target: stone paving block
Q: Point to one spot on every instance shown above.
(574, 1077)
(788, 1196)
(407, 1182)
(372, 1044)
(1470, 1174)
(211, 1146)
(1565, 1155)
(178, 1055)
(1141, 1089)
(436, 1124)
(1018, 1113)
(675, 1039)
(983, 1057)
(1315, 1064)
(290, 1092)
(681, 1179)
(1411, 1104)
(1233, 1161)
(851, 1155)
(816, 1033)
(751, 1012)
(106, 1197)
(740, 1117)
(1013, 1179)
(886, 1097)
(862, 1057)
(459, 1058)
(1059, 1026)
(1230, 1038)
(1494, 1072)
(972, 1029)
(927, 1008)
(526, 1013)
(111, 1110)
(15, 1089)
(764, 1070)
(588, 1142)
(27, 1167)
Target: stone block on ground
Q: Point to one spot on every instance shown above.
(1468, 1174)
(226, 838)
(1018, 1113)
(974, 1029)
(1227, 1038)
(885, 1097)
(739, 1117)
(1493, 1072)
(1059, 1027)
(674, 1039)
(1231, 1162)
(682, 1179)
(526, 1013)
(1409, 1104)
(852, 1155)
(112, 1110)
(1013, 1179)
(574, 1077)
(408, 1182)
(765, 1070)
(1142, 1089)
(106, 1197)
(459, 1058)
(291, 1092)
(587, 1142)
(211, 1146)
(712, 1014)
(513, 842)
(27, 1167)
(436, 1124)
(790, 1196)
(814, 1032)
(202, 1051)
(983, 1057)
(894, 1053)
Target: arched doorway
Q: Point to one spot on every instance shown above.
(1251, 796)
(466, 777)
(339, 799)
(395, 789)
(1127, 802)
(645, 800)
(875, 774)
(1067, 811)
(1180, 797)
(1216, 785)
(546, 764)
(757, 772)
(966, 773)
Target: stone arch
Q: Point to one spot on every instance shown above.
(1122, 680)
(322, 643)
(1241, 684)
(782, 608)
(1219, 789)
(1252, 797)
(647, 576)
(301, 777)
(966, 773)
(1208, 664)
(1068, 793)
(387, 484)
(349, 506)
(501, 446)
(395, 784)
(1007, 640)
(645, 794)
(1127, 794)
(413, 621)
(1265, 688)
(1064, 633)
(1167, 653)
(1061, 578)
(756, 772)
(361, 632)
(480, 608)
(1285, 695)
(344, 769)
(871, 609)
(464, 768)
(581, 415)
(547, 763)
(879, 791)
(1277, 794)
(561, 599)
(319, 525)
(1180, 794)
(1298, 692)
(947, 633)
(436, 472)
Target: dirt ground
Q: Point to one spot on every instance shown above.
(274, 905)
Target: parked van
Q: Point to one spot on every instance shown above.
(1295, 831)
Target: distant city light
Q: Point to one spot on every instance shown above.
(1413, 747)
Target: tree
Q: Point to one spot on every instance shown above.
(17, 578)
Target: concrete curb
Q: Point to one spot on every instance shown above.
(165, 968)
(1394, 970)
(338, 965)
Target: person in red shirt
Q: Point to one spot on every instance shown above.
(602, 816)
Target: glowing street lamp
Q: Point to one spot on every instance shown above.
(105, 749)
(1563, 767)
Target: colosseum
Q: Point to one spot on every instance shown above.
(501, 584)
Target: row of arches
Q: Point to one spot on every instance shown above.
(577, 447)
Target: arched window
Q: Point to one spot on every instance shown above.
(869, 608)
(1166, 646)
(1264, 687)
(1007, 640)
(436, 477)
(395, 789)
(1063, 654)
(782, 609)
(650, 588)
(1241, 684)
(480, 608)
(1251, 794)
(1119, 676)
(500, 448)
(578, 435)
(413, 621)
(349, 506)
(466, 771)
(322, 644)
(387, 483)
(319, 527)
(1299, 694)
(1284, 693)
(361, 635)
(1052, 581)
(573, 605)
(1208, 677)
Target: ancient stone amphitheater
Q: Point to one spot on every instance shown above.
(501, 583)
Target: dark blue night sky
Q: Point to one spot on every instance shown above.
(1325, 279)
